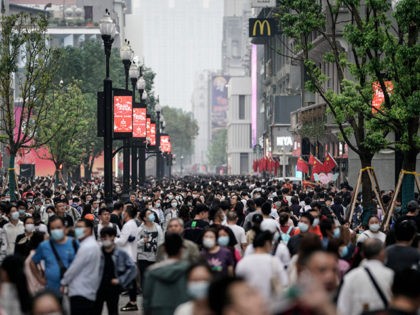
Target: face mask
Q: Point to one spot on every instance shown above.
(197, 289)
(157, 205)
(223, 240)
(29, 200)
(174, 204)
(79, 232)
(150, 207)
(15, 216)
(344, 252)
(151, 217)
(303, 227)
(107, 243)
(374, 227)
(209, 243)
(57, 234)
(29, 228)
(170, 197)
(189, 203)
(337, 232)
(316, 222)
(278, 204)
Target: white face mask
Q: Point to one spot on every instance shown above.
(174, 204)
(209, 243)
(29, 227)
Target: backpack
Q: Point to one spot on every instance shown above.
(285, 237)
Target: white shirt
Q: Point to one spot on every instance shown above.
(269, 224)
(258, 269)
(239, 235)
(128, 239)
(12, 231)
(282, 253)
(358, 292)
(369, 234)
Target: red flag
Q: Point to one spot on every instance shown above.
(317, 167)
(302, 166)
(329, 163)
(311, 159)
(255, 166)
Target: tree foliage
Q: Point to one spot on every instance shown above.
(67, 126)
(363, 42)
(28, 64)
(217, 154)
(182, 128)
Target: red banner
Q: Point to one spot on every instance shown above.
(165, 143)
(123, 114)
(378, 95)
(148, 122)
(139, 123)
(153, 134)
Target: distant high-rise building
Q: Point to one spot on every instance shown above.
(178, 38)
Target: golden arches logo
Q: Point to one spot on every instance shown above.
(262, 25)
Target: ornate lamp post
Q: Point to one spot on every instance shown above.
(133, 74)
(141, 85)
(158, 153)
(107, 27)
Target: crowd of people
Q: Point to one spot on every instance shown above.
(205, 246)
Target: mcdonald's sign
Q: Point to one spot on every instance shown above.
(262, 27)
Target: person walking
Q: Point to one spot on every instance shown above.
(83, 276)
(117, 272)
(12, 229)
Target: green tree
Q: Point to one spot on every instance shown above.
(364, 44)
(27, 61)
(217, 151)
(66, 127)
(182, 128)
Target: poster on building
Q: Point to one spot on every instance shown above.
(139, 122)
(378, 94)
(123, 114)
(148, 122)
(219, 103)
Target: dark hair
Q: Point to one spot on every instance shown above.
(405, 230)
(325, 225)
(102, 210)
(131, 211)
(219, 295)
(198, 264)
(27, 218)
(36, 239)
(88, 223)
(259, 201)
(406, 283)
(173, 244)
(108, 231)
(13, 266)
(53, 219)
(266, 208)
(308, 216)
(284, 218)
(118, 205)
(261, 238)
(199, 208)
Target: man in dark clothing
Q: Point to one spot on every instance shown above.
(412, 213)
(194, 229)
(304, 224)
(401, 255)
(118, 271)
(116, 214)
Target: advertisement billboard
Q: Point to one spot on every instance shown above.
(153, 134)
(139, 122)
(263, 3)
(219, 102)
(165, 143)
(123, 114)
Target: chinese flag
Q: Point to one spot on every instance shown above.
(317, 167)
(329, 163)
(302, 166)
(311, 159)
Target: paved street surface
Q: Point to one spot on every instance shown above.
(123, 301)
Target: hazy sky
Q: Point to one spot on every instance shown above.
(178, 38)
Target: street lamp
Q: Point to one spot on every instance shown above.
(133, 74)
(126, 54)
(158, 109)
(107, 27)
(141, 85)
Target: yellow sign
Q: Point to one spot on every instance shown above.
(262, 27)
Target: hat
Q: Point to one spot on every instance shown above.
(90, 217)
(412, 206)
